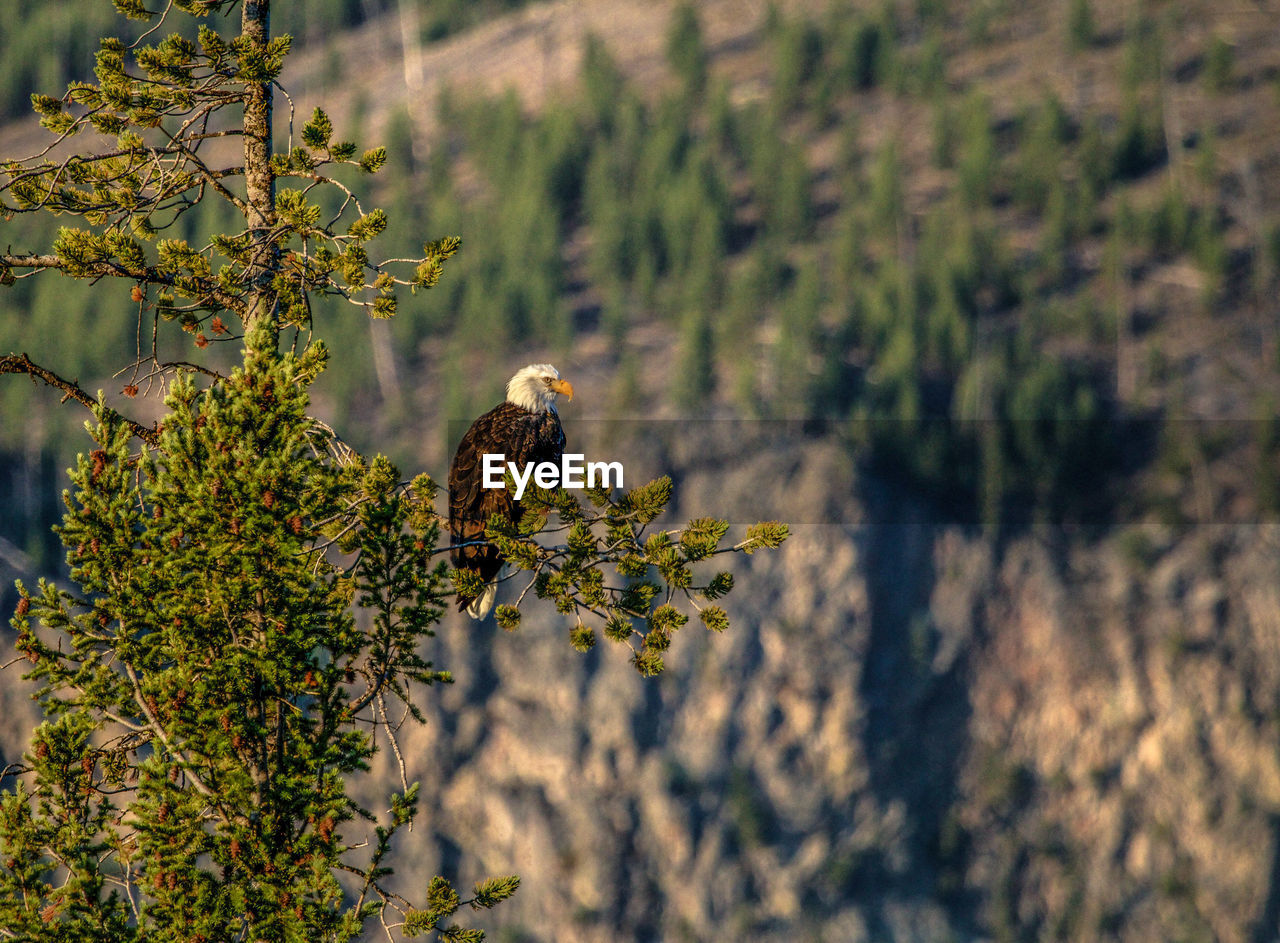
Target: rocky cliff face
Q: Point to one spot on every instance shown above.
(1122, 779)
(908, 734)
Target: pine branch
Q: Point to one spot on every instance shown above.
(205, 287)
(21, 363)
(158, 729)
(30, 261)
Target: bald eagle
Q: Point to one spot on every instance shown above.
(525, 428)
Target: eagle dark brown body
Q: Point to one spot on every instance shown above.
(522, 436)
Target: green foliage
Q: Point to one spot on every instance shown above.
(1219, 62)
(1040, 444)
(929, 73)
(799, 344)
(1140, 142)
(507, 617)
(444, 18)
(1267, 468)
(510, 287)
(251, 594)
(582, 638)
(1143, 51)
(686, 52)
(602, 81)
(714, 618)
(978, 160)
(887, 197)
(780, 174)
(696, 376)
(212, 681)
(863, 48)
(611, 537)
(797, 55)
(768, 534)
(443, 902)
(152, 181)
(1046, 134)
(1080, 26)
(494, 891)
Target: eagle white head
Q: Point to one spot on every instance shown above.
(536, 386)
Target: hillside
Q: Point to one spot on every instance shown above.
(945, 215)
(981, 298)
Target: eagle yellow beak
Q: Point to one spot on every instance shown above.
(563, 386)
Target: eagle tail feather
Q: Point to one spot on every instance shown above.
(482, 605)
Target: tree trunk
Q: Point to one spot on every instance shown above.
(255, 24)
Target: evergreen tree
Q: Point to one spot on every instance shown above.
(1219, 63)
(686, 51)
(797, 52)
(1080, 28)
(251, 594)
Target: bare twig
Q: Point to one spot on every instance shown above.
(395, 747)
(21, 363)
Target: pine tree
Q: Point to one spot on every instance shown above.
(251, 595)
(1080, 27)
(685, 50)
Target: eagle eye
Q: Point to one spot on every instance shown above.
(546, 380)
